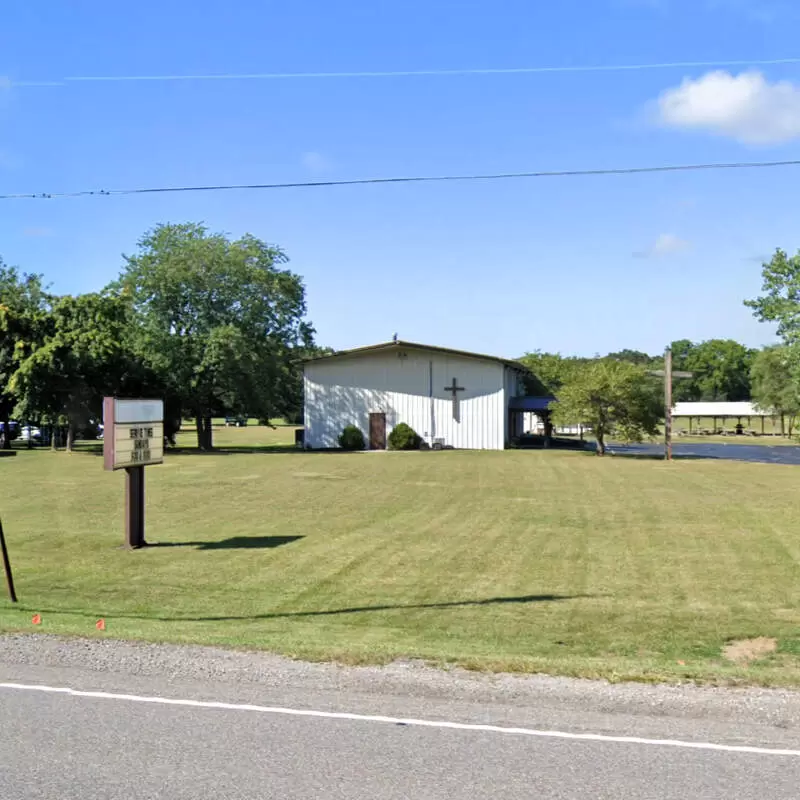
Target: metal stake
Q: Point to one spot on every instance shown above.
(7, 566)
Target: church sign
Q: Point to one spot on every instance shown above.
(133, 433)
(133, 438)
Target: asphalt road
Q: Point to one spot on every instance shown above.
(753, 453)
(245, 726)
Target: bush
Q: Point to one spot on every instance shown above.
(352, 439)
(404, 437)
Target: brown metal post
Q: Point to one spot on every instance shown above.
(668, 404)
(7, 566)
(134, 507)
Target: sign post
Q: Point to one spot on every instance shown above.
(7, 566)
(133, 438)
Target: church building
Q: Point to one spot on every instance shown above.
(451, 398)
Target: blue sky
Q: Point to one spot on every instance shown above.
(576, 265)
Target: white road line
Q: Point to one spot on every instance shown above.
(420, 723)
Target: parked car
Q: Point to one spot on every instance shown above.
(29, 433)
(236, 422)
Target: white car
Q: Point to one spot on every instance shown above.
(28, 433)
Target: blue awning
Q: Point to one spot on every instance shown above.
(533, 404)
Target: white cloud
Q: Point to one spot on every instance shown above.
(666, 244)
(745, 107)
(316, 164)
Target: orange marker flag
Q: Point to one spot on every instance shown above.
(37, 619)
(100, 624)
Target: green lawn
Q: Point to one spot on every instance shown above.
(524, 560)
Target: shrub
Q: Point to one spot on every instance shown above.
(352, 439)
(404, 437)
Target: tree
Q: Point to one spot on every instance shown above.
(634, 357)
(290, 384)
(613, 398)
(685, 389)
(23, 304)
(780, 301)
(83, 356)
(219, 320)
(722, 370)
(775, 382)
(550, 370)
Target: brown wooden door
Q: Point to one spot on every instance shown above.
(377, 431)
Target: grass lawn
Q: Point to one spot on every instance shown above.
(525, 560)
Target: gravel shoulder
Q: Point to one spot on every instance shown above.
(406, 689)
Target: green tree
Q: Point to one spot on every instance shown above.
(23, 304)
(685, 389)
(220, 320)
(775, 382)
(614, 398)
(550, 370)
(83, 356)
(635, 357)
(290, 385)
(722, 370)
(780, 299)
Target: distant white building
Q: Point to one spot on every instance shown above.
(534, 423)
(720, 410)
(449, 397)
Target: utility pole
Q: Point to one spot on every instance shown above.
(668, 404)
(668, 374)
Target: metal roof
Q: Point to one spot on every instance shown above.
(401, 345)
(741, 409)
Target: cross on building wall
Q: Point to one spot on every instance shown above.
(454, 388)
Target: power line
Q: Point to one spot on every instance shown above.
(405, 179)
(564, 68)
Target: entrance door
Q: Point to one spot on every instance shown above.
(377, 431)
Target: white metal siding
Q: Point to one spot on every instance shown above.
(512, 388)
(344, 391)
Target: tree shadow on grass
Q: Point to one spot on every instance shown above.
(653, 456)
(633, 452)
(490, 601)
(233, 450)
(234, 543)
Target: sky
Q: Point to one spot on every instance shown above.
(577, 265)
